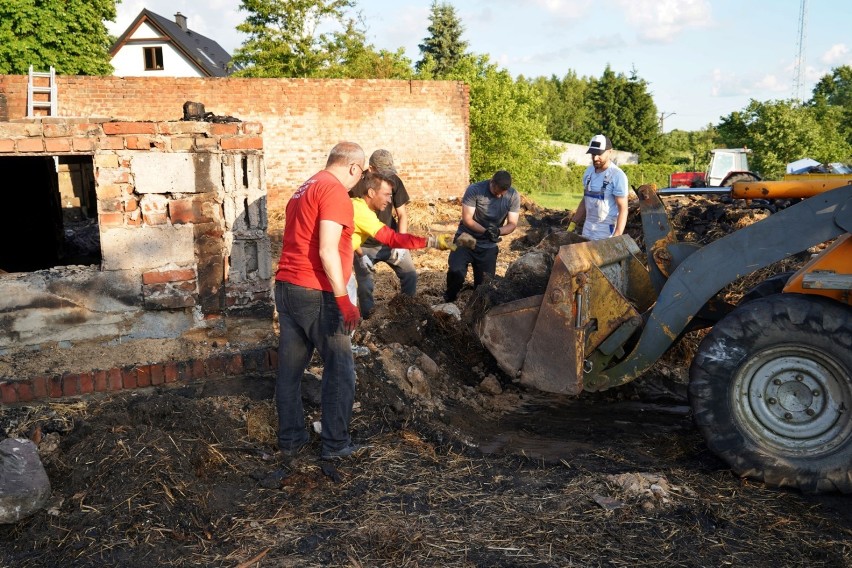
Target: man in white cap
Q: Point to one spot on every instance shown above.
(604, 203)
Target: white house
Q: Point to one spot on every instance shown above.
(155, 46)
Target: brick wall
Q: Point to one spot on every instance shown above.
(424, 123)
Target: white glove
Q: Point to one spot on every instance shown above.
(366, 263)
(396, 256)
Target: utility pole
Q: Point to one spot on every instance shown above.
(800, 66)
(663, 116)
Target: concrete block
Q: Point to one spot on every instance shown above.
(157, 172)
(144, 248)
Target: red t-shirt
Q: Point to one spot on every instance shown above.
(321, 198)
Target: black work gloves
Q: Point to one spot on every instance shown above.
(493, 234)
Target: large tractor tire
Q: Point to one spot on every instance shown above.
(739, 177)
(771, 391)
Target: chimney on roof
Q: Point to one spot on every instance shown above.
(180, 20)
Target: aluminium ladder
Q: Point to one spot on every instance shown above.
(49, 90)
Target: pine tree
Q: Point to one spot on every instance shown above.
(444, 48)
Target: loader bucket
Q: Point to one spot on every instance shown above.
(594, 288)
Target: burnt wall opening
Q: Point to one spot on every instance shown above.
(52, 213)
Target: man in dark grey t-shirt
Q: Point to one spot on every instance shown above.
(490, 209)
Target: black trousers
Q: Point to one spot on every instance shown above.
(483, 261)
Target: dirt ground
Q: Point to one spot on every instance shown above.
(463, 466)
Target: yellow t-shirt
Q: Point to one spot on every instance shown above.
(367, 224)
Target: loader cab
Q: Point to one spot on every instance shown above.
(724, 161)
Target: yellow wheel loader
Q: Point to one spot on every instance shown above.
(771, 383)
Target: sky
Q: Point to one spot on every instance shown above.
(702, 59)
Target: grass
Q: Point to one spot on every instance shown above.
(556, 200)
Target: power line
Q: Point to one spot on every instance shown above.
(800, 65)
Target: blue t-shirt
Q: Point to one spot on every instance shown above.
(488, 209)
(599, 192)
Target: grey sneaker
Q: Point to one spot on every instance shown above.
(344, 452)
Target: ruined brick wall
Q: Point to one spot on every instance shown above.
(183, 232)
(424, 123)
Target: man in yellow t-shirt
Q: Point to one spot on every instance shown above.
(371, 195)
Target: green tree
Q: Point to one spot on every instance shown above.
(443, 49)
(564, 108)
(69, 35)
(836, 88)
(507, 128)
(832, 100)
(691, 149)
(780, 132)
(621, 107)
(283, 37)
(352, 58)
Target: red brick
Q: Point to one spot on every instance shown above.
(242, 143)
(111, 220)
(143, 376)
(101, 382)
(142, 143)
(234, 364)
(114, 379)
(86, 383)
(7, 145)
(157, 374)
(128, 377)
(111, 143)
(129, 128)
(40, 386)
(82, 144)
(231, 129)
(57, 145)
(161, 276)
(56, 130)
(8, 393)
(25, 391)
(198, 370)
(171, 372)
(31, 145)
(216, 366)
(186, 210)
(70, 384)
(56, 386)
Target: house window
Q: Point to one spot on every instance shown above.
(153, 58)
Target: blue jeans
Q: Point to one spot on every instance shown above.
(405, 271)
(310, 319)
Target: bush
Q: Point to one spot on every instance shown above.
(569, 179)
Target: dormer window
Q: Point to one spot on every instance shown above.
(153, 58)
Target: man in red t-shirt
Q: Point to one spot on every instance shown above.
(314, 311)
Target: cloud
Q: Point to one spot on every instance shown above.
(563, 11)
(601, 43)
(837, 54)
(660, 21)
(757, 86)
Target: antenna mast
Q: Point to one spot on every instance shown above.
(800, 65)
